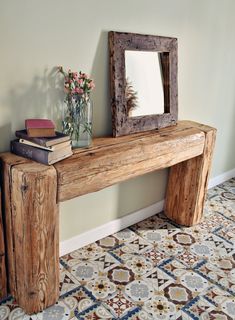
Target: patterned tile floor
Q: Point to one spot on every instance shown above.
(152, 270)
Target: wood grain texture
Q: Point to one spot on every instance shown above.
(3, 276)
(32, 190)
(110, 160)
(118, 43)
(8, 160)
(35, 232)
(165, 68)
(187, 184)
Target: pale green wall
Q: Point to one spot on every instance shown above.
(38, 35)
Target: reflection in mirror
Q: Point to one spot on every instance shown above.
(144, 83)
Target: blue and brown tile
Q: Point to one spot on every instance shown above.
(178, 294)
(201, 309)
(108, 243)
(139, 291)
(139, 264)
(155, 256)
(173, 267)
(95, 312)
(212, 272)
(121, 275)
(125, 236)
(159, 279)
(152, 223)
(59, 311)
(137, 314)
(159, 307)
(137, 246)
(89, 252)
(101, 288)
(85, 271)
(106, 262)
(10, 310)
(189, 259)
(227, 234)
(67, 281)
(119, 305)
(77, 300)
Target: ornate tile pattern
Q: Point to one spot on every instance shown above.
(154, 269)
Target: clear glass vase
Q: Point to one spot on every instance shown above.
(77, 120)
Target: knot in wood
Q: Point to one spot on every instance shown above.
(24, 187)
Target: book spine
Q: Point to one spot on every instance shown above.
(39, 123)
(29, 152)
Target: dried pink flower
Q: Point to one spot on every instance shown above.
(77, 82)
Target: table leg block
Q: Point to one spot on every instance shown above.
(35, 220)
(187, 186)
(6, 168)
(3, 276)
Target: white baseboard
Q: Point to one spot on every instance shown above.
(109, 228)
(126, 221)
(221, 178)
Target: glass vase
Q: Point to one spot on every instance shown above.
(77, 120)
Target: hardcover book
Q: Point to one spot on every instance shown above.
(40, 155)
(51, 148)
(46, 142)
(40, 128)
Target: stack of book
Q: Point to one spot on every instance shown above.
(45, 146)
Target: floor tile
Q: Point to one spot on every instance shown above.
(77, 300)
(121, 275)
(67, 281)
(212, 272)
(101, 288)
(119, 305)
(152, 270)
(139, 290)
(137, 314)
(9, 310)
(108, 242)
(160, 307)
(97, 311)
(159, 279)
(126, 235)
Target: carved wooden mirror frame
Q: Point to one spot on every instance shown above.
(119, 42)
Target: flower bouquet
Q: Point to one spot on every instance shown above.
(77, 118)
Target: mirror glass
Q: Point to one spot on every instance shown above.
(144, 83)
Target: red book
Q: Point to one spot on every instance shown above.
(40, 128)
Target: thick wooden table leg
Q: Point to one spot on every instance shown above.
(3, 277)
(187, 184)
(8, 160)
(35, 235)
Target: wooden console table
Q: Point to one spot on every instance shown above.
(32, 192)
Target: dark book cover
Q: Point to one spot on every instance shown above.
(46, 142)
(39, 155)
(29, 152)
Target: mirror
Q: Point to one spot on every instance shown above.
(144, 83)
(143, 74)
